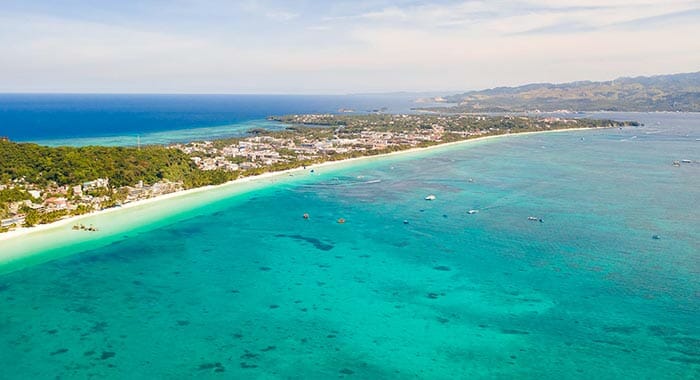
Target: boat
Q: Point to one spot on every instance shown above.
(471, 212)
(405, 221)
(676, 163)
(687, 161)
(341, 221)
(656, 237)
(306, 215)
(535, 219)
(430, 197)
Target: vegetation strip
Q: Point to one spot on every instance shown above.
(41, 184)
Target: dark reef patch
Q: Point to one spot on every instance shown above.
(514, 332)
(59, 351)
(610, 342)
(249, 355)
(663, 330)
(677, 359)
(98, 327)
(217, 367)
(107, 354)
(318, 244)
(627, 330)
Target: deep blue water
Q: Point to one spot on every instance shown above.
(46, 117)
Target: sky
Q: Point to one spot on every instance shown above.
(343, 46)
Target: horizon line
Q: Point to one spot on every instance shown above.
(339, 93)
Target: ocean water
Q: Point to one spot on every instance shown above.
(244, 287)
(117, 120)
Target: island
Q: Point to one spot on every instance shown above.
(666, 93)
(40, 184)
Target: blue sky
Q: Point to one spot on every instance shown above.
(312, 46)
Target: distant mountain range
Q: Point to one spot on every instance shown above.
(676, 92)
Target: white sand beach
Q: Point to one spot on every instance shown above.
(22, 242)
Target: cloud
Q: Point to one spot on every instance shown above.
(319, 27)
(280, 15)
(512, 17)
(343, 46)
(666, 19)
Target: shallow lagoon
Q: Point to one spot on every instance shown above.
(244, 287)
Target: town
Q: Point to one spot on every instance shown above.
(306, 140)
(318, 138)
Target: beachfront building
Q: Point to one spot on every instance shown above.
(141, 191)
(96, 184)
(56, 204)
(16, 220)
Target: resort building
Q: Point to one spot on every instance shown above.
(98, 183)
(16, 220)
(55, 204)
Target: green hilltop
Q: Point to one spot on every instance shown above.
(676, 92)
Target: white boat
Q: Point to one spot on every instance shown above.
(471, 212)
(430, 197)
(687, 161)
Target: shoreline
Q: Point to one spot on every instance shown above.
(38, 229)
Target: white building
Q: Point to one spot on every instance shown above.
(15, 220)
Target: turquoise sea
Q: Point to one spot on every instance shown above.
(243, 287)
